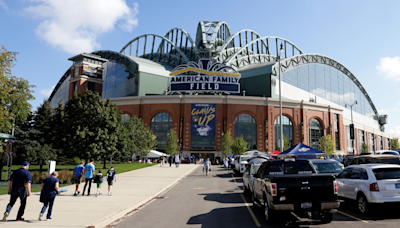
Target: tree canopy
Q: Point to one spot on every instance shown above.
(329, 148)
(171, 147)
(15, 93)
(91, 126)
(226, 144)
(239, 146)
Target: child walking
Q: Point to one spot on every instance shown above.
(111, 177)
(98, 179)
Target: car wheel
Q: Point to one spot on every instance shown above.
(326, 217)
(362, 204)
(268, 214)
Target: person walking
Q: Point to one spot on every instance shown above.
(77, 174)
(176, 161)
(98, 179)
(170, 160)
(193, 159)
(89, 173)
(50, 187)
(226, 163)
(21, 180)
(188, 159)
(207, 166)
(110, 178)
(232, 161)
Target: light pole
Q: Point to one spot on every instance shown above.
(352, 125)
(280, 99)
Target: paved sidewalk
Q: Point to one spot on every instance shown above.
(131, 190)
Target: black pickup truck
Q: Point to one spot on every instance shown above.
(292, 185)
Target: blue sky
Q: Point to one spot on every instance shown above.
(362, 35)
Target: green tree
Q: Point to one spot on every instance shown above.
(227, 142)
(91, 127)
(15, 94)
(43, 124)
(394, 144)
(239, 146)
(171, 147)
(329, 149)
(364, 148)
(285, 143)
(142, 139)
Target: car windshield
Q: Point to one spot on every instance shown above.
(388, 160)
(328, 167)
(390, 152)
(255, 168)
(387, 173)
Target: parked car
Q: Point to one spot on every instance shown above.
(329, 166)
(392, 152)
(240, 163)
(251, 168)
(369, 184)
(292, 185)
(372, 159)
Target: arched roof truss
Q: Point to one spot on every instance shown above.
(156, 48)
(264, 49)
(295, 61)
(211, 34)
(183, 40)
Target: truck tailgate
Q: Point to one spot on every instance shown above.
(305, 188)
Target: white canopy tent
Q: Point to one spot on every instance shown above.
(255, 153)
(156, 154)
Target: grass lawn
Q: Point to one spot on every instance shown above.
(3, 190)
(119, 168)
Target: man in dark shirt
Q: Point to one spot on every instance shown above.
(21, 187)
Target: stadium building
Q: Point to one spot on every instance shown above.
(224, 80)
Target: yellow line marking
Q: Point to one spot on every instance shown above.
(199, 188)
(248, 206)
(352, 217)
(204, 72)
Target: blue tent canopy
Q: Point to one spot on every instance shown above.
(301, 149)
(398, 150)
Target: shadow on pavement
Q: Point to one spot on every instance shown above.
(223, 198)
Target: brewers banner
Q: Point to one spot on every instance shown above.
(204, 76)
(203, 119)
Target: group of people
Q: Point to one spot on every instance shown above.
(89, 171)
(174, 159)
(229, 162)
(19, 186)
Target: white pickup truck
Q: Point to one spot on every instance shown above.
(240, 163)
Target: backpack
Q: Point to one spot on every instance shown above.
(98, 178)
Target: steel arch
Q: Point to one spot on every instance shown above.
(60, 82)
(303, 59)
(232, 37)
(160, 49)
(207, 39)
(227, 61)
(193, 48)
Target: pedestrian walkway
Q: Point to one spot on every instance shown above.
(131, 190)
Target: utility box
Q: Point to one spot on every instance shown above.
(51, 167)
(383, 119)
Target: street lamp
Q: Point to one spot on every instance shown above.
(352, 125)
(280, 97)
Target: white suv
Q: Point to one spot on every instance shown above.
(370, 183)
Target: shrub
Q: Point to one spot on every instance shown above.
(36, 176)
(65, 176)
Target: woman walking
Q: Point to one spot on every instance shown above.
(50, 188)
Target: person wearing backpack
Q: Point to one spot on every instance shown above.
(98, 179)
(110, 178)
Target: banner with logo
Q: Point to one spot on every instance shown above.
(93, 72)
(203, 119)
(204, 76)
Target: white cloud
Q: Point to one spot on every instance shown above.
(47, 92)
(3, 5)
(74, 25)
(389, 67)
(383, 111)
(395, 132)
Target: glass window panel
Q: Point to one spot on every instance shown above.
(245, 126)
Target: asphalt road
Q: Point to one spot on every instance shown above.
(217, 201)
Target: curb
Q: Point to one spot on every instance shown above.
(118, 215)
